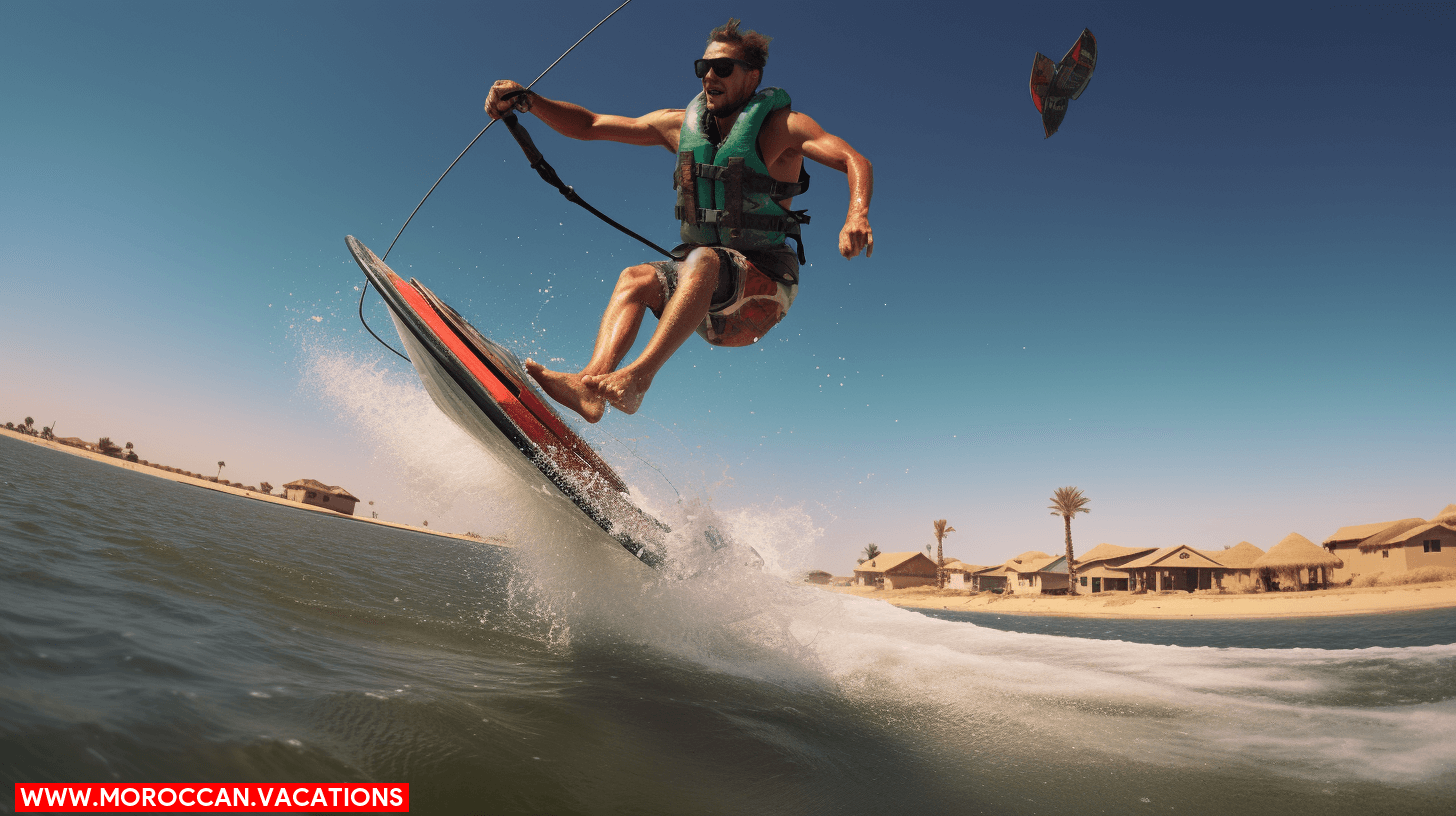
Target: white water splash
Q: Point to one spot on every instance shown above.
(1038, 699)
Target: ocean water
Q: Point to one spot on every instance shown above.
(151, 631)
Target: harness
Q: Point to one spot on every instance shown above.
(737, 203)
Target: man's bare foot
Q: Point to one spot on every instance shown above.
(623, 388)
(568, 390)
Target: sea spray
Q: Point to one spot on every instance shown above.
(1014, 703)
(157, 631)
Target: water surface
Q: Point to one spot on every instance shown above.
(151, 631)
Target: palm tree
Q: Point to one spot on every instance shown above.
(266, 488)
(220, 466)
(940, 531)
(45, 433)
(29, 425)
(871, 552)
(1068, 502)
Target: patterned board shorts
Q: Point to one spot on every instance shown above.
(755, 291)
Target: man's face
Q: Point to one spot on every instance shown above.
(728, 93)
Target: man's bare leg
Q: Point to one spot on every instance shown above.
(696, 281)
(637, 290)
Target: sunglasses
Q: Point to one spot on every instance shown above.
(723, 66)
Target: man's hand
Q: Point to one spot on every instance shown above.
(856, 236)
(497, 107)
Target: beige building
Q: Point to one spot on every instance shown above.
(989, 579)
(896, 571)
(1100, 568)
(1394, 546)
(1179, 568)
(1238, 562)
(958, 573)
(1036, 573)
(318, 494)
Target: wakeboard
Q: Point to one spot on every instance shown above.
(1054, 84)
(484, 389)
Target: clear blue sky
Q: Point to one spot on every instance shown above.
(1217, 300)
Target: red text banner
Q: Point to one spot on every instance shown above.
(202, 797)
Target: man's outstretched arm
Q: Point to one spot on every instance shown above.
(577, 122)
(832, 151)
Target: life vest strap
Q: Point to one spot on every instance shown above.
(788, 224)
(685, 180)
(753, 182)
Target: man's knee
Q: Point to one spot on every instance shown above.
(638, 279)
(640, 284)
(700, 267)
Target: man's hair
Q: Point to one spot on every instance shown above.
(752, 45)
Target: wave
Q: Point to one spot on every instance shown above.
(1377, 714)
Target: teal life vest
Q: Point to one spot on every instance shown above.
(725, 195)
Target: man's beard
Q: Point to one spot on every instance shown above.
(724, 113)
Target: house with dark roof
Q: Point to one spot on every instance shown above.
(318, 494)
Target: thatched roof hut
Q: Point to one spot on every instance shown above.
(1296, 552)
(1405, 538)
(1387, 536)
(1240, 556)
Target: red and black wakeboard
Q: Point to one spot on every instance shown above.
(485, 390)
(1054, 84)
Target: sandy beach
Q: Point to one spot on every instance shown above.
(236, 491)
(1316, 603)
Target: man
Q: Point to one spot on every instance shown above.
(740, 162)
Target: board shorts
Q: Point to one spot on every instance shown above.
(755, 291)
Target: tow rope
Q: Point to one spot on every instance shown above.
(548, 175)
(407, 221)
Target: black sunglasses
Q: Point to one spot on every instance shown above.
(723, 66)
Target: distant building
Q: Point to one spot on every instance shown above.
(76, 442)
(1287, 564)
(958, 573)
(1036, 573)
(896, 571)
(988, 578)
(1099, 569)
(1394, 546)
(1179, 568)
(318, 494)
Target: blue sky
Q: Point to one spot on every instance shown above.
(1215, 300)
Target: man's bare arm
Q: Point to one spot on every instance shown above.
(574, 121)
(832, 151)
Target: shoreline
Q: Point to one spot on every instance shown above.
(179, 478)
(1175, 605)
